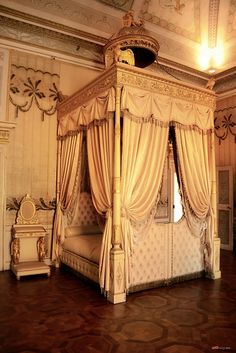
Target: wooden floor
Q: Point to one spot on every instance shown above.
(67, 315)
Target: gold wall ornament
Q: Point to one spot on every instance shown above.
(15, 251)
(41, 248)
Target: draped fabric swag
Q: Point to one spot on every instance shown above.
(69, 171)
(100, 159)
(146, 120)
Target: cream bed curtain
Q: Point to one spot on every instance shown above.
(195, 155)
(69, 185)
(146, 120)
(100, 159)
(143, 157)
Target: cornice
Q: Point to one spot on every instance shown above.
(123, 74)
(55, 26)
(181, 90)
(183, 68)
(37, 36)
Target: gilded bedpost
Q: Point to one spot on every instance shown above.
(55, 246)
(216, 273)
(117, 290)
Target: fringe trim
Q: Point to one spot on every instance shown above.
(155, 120)
(151, 119)
(191, 128)
(81, 128)
(167, 282)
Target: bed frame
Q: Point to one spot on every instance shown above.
(117, 76)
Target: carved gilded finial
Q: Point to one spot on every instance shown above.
(128, 20)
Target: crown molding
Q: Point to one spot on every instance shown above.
(55, 26)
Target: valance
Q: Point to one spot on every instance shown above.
(96, 109)
(143, 105)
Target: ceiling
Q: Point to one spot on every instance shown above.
(78, 29)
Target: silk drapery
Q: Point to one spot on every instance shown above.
(143, 157)
(69, 185)
(195, 155)
(100, 159)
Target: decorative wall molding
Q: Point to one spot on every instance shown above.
(55, 26)
(13, 204)
(231, 30)
(213, 22)
(5, 128)
(42, 37)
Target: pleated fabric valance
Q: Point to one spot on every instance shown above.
(149, 105)
(95, 110)
(141, 105)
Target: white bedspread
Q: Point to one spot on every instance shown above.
(87, 246)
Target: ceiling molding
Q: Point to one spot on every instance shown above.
(213, 22)
(55, 26)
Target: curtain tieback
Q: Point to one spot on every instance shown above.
(109, 213)
(124, 212)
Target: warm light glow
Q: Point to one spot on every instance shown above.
(205, 57)
(211, 58)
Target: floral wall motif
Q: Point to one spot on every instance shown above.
(225, 123)
(28, 86)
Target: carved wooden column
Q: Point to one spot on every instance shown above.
(55, 240)
(117, 280)
(216, 273)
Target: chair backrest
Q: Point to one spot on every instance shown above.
(27, 212)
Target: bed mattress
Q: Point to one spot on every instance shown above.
(87, 246)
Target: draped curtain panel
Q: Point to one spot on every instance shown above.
(69, 186)
(100, 142)
(195, 156)
(143, 158)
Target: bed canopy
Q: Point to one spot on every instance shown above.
(126, 114)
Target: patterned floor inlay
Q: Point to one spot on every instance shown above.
(64, 314)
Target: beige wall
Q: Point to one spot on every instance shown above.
(226, 149)
(73, 78)
(32, 151)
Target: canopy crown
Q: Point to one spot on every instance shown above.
(132, 44)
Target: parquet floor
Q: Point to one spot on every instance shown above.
(64, 314)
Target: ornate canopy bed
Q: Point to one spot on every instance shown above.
(124, 118)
